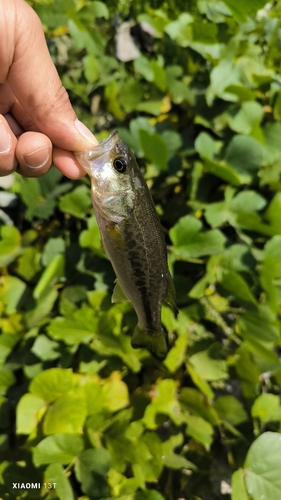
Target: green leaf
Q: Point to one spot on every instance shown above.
(250, 199)
(56, 15)
(272, 213)
(181, 29)
(172, 140)
(53, 247)
(13, 292)
(209, 363)
(241, 10)
(71, 332)
(131, 95)
(151, 107)
(206, 146)
(230, 410)
(83, 39)
(57, 449)
(45, 349)
(99, 9)
(56, 474)
(189, 242)
(248, 116)
(262, 467)
(121, 449)
(194, 401)
(238, 486)
(221, 212)
(156, 449)
(7, 379)
(204, 32)
(217, 214)
(259, 325)
(271, 145)
(97, 460)
(9, 244)
(200, 382)
(147, 495)
(116, 394)
(175, 461)
(225, 73)
(43, 306)
(52, 383)
(243, 93)
(111, 94)
(164, 402)
(90, 238)
(159, 75)
(177, 89)
(28, 413)
(31, 196)
(186, 228)
(224, 172)
(176, 355)
(91, 68)
(7, 342)
(253, 222)
(200, 430)
(66, 414)
(154, 148)
(28, 264)
(120, 346)
(266, 408)
(245, 155)
(272, 249)
(143, 66)
(51, 275)
(269, 272)
(237, 286)
(77, 202)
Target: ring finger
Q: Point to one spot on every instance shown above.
(34, 154)
(8, 143)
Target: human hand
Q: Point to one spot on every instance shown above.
(37, 121)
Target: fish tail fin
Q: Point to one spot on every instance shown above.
(152, 340)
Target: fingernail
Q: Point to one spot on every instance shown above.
(5, 138)
(85, 132)
(34, 159)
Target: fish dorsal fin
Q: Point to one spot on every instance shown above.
(118, 294)
(170, 298)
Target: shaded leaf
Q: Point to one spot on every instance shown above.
(58, 449)
(28, 413)
(262, 466)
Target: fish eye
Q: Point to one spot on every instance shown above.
(120, 164)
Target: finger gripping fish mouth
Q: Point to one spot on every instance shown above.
(92, 157)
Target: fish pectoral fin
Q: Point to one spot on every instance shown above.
(170, 298)
(118, 294)
(154, 341)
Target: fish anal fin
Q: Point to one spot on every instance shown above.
(170, 298)
(154, 341)
(118, 294)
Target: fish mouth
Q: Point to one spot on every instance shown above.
(102, 147)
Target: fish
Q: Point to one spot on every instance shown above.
(132, 237)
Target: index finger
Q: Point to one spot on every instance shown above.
(36, 83)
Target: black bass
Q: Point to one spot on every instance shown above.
(132, 237)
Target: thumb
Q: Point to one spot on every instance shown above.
(35, 82)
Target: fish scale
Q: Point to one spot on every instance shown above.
(132, 237)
